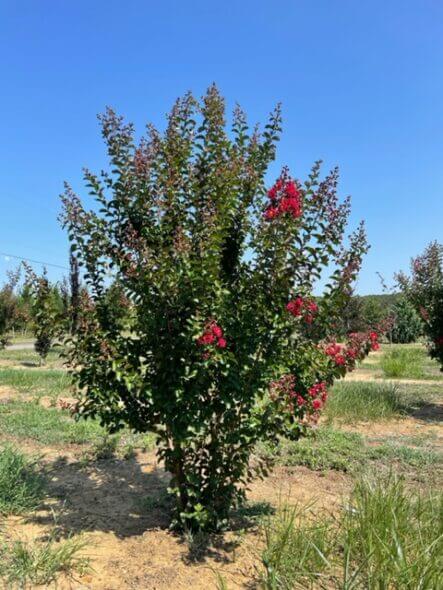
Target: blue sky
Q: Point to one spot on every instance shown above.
(361, 85)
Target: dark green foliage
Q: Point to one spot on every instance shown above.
(408, 326)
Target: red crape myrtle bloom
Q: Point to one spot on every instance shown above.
(285, 199)
(373, 336)
(295, 306)
(286, 391)
(356, 348)
(302, 307)
(213, 334)
(316, 404)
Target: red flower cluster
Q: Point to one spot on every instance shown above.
(319, 393)
(300, 306)
(373, 337)
(356, 348)
(284, 390)
(285, 198)
(334, 350)
(439, 341)
(213, 334)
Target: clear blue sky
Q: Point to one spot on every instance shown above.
(361, 85)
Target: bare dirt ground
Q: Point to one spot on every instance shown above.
(130, 545)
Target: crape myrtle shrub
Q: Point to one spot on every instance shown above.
(424, 289)
(224, 344)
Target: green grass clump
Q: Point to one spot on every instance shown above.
(21, 484)
(23, 564)
(297, 548)
(46, 425)
(386, 537)
(405, 362)
(49, 382)
(393, 537)
(359, 401)
(325, 449)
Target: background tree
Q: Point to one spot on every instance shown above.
(225, 344)
(407, 325)
(8, 308)
(46, 312)
(23, 320)
(424, 289)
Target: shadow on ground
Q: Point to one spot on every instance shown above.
(119, 496)
(428, 412)
(128, 498)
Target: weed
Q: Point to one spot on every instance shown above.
(39, 563)
(21, 483)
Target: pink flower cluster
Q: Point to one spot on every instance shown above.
(285, 199)
(213, 334)
(285, 390)
(303, 307)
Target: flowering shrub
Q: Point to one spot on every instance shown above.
(424, 289)
(224, 343)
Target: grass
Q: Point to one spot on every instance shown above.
(410, 456)
(51, 426)
(51, 382)
(22, 564)
(21, 484)
(386, 537)
(297, 549)
(327, 448)
(331, 449)
(30, 420)
(364, 401)
(29, 357)
(406, 363)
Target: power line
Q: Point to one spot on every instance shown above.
(33, 261)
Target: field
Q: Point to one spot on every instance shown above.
(85, 510)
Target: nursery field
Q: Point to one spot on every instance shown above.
(358, 504)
